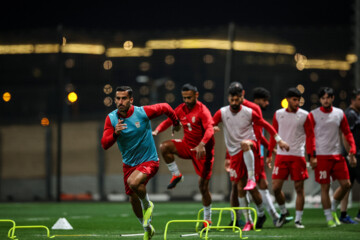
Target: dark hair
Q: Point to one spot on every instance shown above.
(235, 89)
(261, 92)
(189, 87)
(355, 93)
(125, 89)
(324, 90)
(293, 92)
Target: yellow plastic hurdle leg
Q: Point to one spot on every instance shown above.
(13, 222)
(187, 221)
(255, 215)
(234, 228)
(12, 230)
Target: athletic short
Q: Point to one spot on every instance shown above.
(294, 166)
(149, 168)
(259, 168)
(238, 168)
(203, 167)
(354, 172)
(328, 166)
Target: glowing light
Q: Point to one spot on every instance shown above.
(69, 63)
(327, 64)
(107, 64)
(209, 84)
(221, 44)
(169, 97)
(95, 49)
(314, 76)
(17, 49)
(128, 45)
(135, 52)
(108, 89)
(301, 88)
(72, 97)
(284, 103)
(351, 58)
(6, 97)
(342, 95)
(169, 85)
(302, 102)
(47, 48)
(63, 41)
(314, 98)
(144, 66)
(169, 59)
(45, 122)
(208, 59)
(108, 101)
(208, 97)
(144, 90)
(37, 72)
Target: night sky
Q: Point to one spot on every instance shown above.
(171, 15)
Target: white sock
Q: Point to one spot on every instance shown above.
(283, 209)
(334, 205)
(265, 194)
(260, 210)
(173, 168)
(248, 200)
(249, 162)
(244, 203)
(145, 203)
(327, 213)
(298, 216)
(207, 212)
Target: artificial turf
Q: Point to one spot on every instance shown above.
(108, 220)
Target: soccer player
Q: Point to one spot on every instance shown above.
(241, 143)
(352, 114)
(261, 101)
(327, 122)
(130, 127)
(294, 126)
(197, 144)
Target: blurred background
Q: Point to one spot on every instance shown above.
(60, 64)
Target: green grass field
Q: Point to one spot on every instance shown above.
(109, 220)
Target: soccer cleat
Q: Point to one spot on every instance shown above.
(331, 224)
(283, 219)
(298, 224)
(260, 221)
(175, 180)
(347, 220)
(250, 185)
(150, 234)
(336, 219)
(357, 218)
(147, 214)
(206, 224)
(248, 226)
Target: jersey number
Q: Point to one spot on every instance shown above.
(189, 126)
(323, 175)
(276, 171)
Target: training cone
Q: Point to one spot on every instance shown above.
(62, 224)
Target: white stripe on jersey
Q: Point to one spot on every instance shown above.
(237, 127)
(291, 130)
(327, 131)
